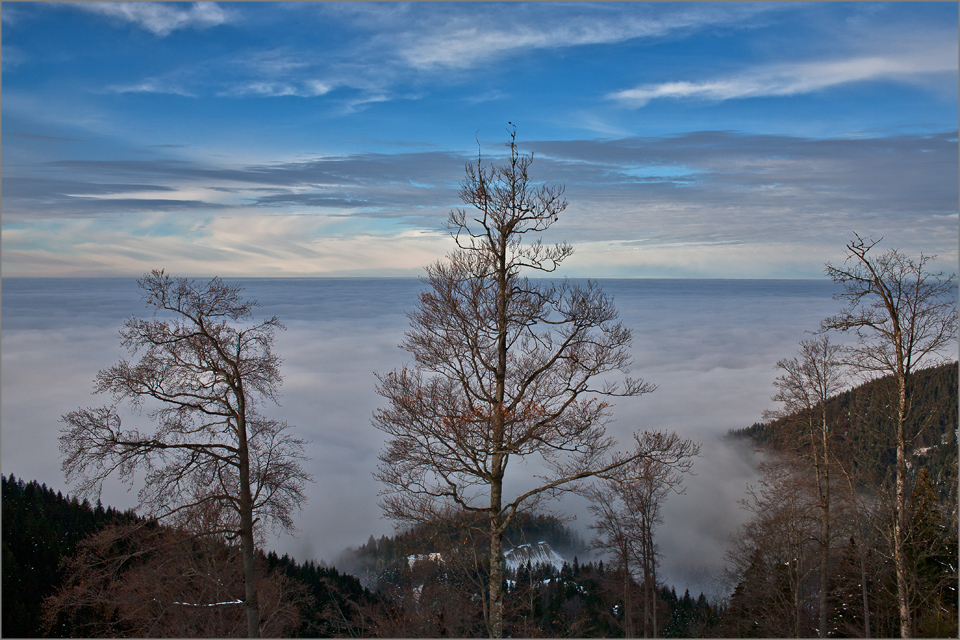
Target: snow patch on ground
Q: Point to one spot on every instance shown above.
(539, 553)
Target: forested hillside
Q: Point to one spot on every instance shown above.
(371, 560)
(51, 543)
(40, 528)
(863, 433)
(63, 552)
(818, 548)
(430, 580)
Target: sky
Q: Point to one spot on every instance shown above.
(731, 140)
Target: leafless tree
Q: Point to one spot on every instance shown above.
(148, 581)
(213, 463)
(772, 551)
(804, 387)
(903, 316)
(861, 508)
(505, 369)
(627, 505)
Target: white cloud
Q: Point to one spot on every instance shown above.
(467, 41)
(151, 85)
(243, 245)
(272, 89)
(157, 17)
(798, 78)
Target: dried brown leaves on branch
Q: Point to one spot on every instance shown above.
(148, 581)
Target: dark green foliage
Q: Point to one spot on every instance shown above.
(863, 433)
(688, 617)
(374, 561)
(586, 601)
(40, 528)
(932, 560)
(338, 600)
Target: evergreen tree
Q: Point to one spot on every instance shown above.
(40, 529)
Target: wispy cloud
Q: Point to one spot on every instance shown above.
(229, 245)
(269, 88)
(798, 78)
(152, 85)
(159, 18)
(460, 42)
(12, 57)
(699, 199)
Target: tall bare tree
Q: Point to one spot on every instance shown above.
(213, 463)
(505, 369)
(903, 315)
(627, 506)
(804, 387)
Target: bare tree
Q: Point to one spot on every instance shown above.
(505, 368)
(902, 315)
(214, 463)
(804, 387)
(627, 506)
(770, 554)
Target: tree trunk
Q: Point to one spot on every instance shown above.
(499, 456)
(628, 631)
(652, 570)
(900, 524)
(250, 603)
(865, 592)
(495, 625)
(795, 579)
(899, 530)
(824, 526)
(824, 583)
(496, 575)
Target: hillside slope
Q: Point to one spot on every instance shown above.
(863, 430)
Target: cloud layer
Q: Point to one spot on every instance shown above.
(800, 78)
(768, 132)
(689, 203)
(709, 345)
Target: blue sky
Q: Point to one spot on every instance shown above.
(309, 139)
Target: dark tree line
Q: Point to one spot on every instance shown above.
(53, 542)
(40, 528)
(49, 540)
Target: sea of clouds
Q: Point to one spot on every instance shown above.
(709, 345)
